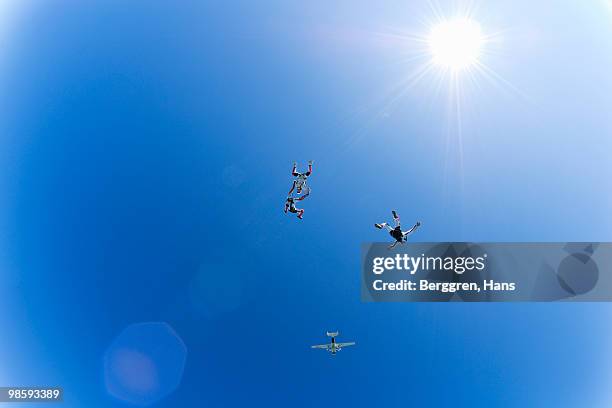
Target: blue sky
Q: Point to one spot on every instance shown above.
(146, 148)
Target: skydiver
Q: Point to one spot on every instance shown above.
(300, 179)
(290, 205)
(397, 233)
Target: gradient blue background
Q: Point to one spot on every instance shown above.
(145, 142)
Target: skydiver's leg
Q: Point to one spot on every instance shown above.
(393, 245)
(411, 230)
(300, 213)
(383, 225)
(396, 218)
(290, 206)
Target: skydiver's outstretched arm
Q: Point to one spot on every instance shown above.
(306, 193)
(294, 172)
(309, 172)
(411, 230)
(292, 188)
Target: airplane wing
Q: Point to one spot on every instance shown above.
(352, 343)
(321, 346)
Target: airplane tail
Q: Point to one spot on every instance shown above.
(332, 334)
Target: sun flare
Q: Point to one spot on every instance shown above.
(455, 44)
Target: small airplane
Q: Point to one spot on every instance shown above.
(333, 347)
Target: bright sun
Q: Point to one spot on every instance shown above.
(455, 44)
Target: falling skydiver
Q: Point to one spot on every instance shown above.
(397, 233)
(290, 205)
